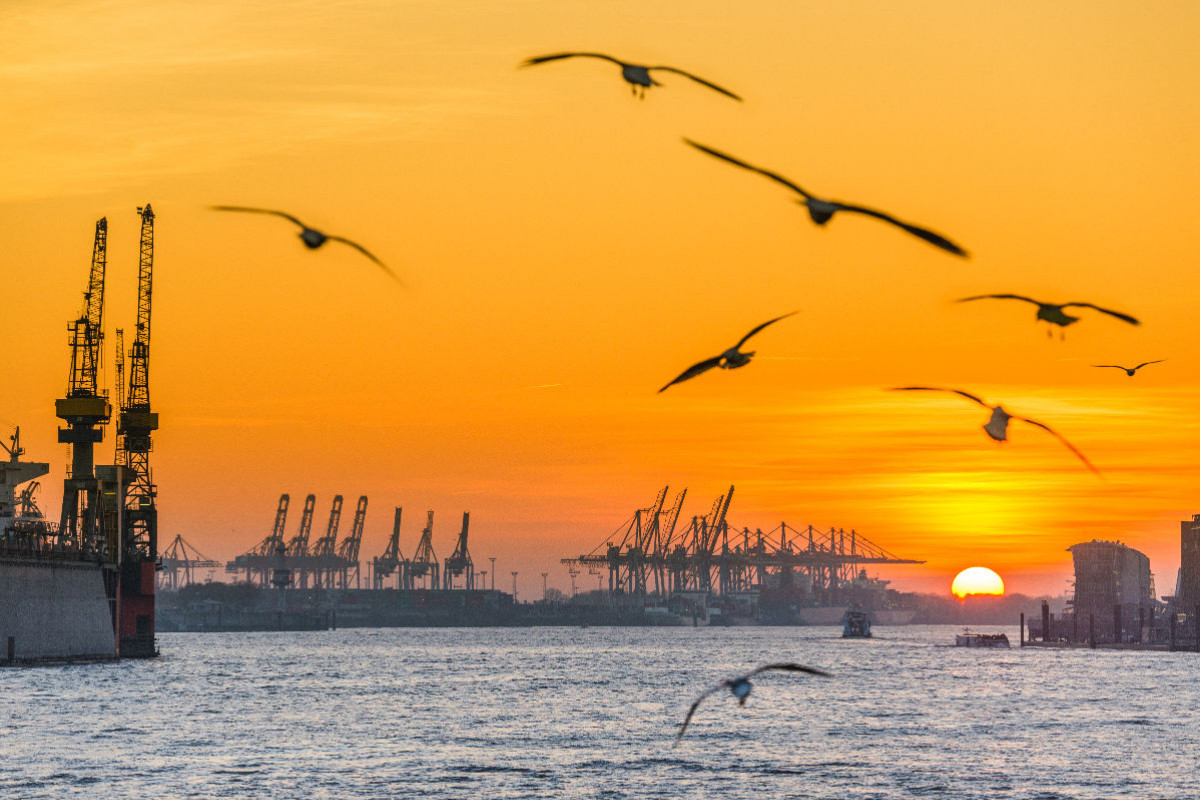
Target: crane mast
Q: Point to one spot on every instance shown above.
(119, 450)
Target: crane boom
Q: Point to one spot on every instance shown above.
(87, 332)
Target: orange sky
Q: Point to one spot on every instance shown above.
(553, 230)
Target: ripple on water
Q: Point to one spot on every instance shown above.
(531, 713)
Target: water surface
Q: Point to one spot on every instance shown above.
(591, 713)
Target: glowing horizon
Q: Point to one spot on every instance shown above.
(567, 255)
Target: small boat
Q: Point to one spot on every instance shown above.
(968, 639)
(856, 625)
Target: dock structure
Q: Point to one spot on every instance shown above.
(652, 555)
(283, 563)
(332, 564)
(179, 564)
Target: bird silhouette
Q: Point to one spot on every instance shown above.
(1053, 312)
(821, 211)
(1130, 370)
(312, 237)
(741, 688)
(997, 426)
(637, 75)
(730, 359)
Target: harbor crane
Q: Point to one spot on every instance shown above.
(85, 410)
(348, 550)
(324, 552)
(647, 558)
(137, 421)
(424, 562)
(179, 561)
(459, 564)
(391, 561)
(262, 558)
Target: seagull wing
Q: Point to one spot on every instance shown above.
(752, 168)
(366, 253)
(693, 371)
(1118, 366)
(692, 711)
(788, 668)
(529, 62)
(260, 211)
(928, 235)
(967, 395)
(998, 297)
(700, 81)
(1147, 363)
(1110, 312)
(1058, 436)
(738, 346)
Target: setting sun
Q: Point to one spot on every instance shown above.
(977, 580)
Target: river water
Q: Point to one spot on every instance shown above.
(591, 713)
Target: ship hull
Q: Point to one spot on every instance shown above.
(54, 611)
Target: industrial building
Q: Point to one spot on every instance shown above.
(1114, 591)
(1188, 592)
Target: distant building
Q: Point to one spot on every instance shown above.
(1187, 595)
(1109, 575)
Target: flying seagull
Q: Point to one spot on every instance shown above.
(637, 75)
(741, 687)
(730, 359)
(311, 237)
(1130, 370)
(997, 426)
(1053, 312)
(821, 211)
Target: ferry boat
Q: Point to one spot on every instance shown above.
(856, 625)
(990, 640)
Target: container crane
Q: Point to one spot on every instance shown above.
(391, 561)
(260, 560)
(348, 550)
(297, 548)
(459, 563)
(179, 560)
(424, 563)
(324, 552)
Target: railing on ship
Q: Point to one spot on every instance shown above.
(39, 541)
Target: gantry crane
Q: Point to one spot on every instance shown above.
(424, 562)
(297, 548)
(179, 560)
(85, 410)
(391, 561)
(704, 560)
(262, 558)
(459, 563)
(348, 550)
(324, 552)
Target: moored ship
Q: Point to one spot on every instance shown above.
(83, 588)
